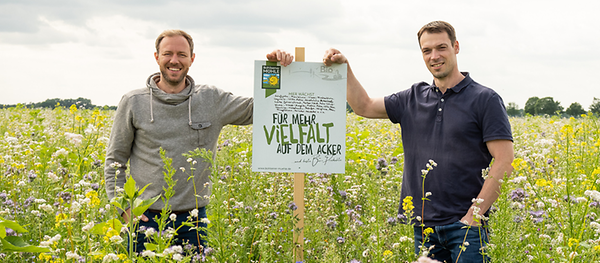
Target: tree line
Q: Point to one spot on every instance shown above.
(548, 106)
(81, 103)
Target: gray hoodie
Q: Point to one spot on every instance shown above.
(149, 118)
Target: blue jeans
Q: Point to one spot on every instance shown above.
(448, 239)
(194, 237)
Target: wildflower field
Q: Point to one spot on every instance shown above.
(53, 205)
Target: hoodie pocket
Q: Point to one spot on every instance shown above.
(202, 131)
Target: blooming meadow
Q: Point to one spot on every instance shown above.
(53, 205)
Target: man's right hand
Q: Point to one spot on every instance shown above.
(333, 55)
(127, 214)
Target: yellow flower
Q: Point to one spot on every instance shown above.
(388, 253)
(407, 204)
(597, 248)
(573, 241)
(428, 231)
(45, 256)
(60, 217)
(93, 196)
(73, 108)
(543, 182)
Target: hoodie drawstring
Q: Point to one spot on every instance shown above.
(151, 112)
(190, 107)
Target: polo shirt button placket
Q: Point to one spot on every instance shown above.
(439, 114)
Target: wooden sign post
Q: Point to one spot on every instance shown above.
(299, 194)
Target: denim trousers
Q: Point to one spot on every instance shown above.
(448, 240)
(185, 235)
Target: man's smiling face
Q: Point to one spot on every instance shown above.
(174, 59)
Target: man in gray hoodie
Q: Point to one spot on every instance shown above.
(175, 114)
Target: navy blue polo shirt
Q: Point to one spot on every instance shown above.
(452, 130)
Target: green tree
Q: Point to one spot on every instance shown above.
(547, 105)
(530, 106)
(595, 107)
(575, 109)
(513, 109)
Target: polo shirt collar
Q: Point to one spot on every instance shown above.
(460, 86)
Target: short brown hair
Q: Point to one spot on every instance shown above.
(438, 27)
(172, 33)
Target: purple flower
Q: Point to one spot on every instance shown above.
(66, 196)
(394, 160)
(518, 195)
(392, 221)
(343, 194)
(292, 206)
(331, 224)
(382, 162)
(340, 240)
(32, 176)
(273, 215)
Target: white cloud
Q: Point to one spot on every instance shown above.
(100, 50)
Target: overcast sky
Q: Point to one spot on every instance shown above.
(102, 49)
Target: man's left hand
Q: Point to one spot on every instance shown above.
(281, 56)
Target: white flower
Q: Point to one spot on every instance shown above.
(90, 129)
(593, 194)
(148, 253)
(477, 200)
(365, 253)
(53, 177)
(189, 160)
(116, 239)
(173, 217)
(518, 179)
(177, 249)
(427, 194)
(75, 207)
(110, 257)
(72, 255)
(182, 169)
(74, 138)
(87, 227)
(149, 232)
(194, 213)
(46, 207)
(62, 152)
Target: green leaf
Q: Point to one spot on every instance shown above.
(150, 246)
(117, 205)
(16, 244)
(143, 189)
(98, 229)
(13, 225)
(130, 188)
(140, 207)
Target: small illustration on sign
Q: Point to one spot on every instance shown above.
(271, 77)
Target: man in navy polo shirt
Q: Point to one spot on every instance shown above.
(458, 124)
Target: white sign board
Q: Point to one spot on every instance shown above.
(299, 122)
